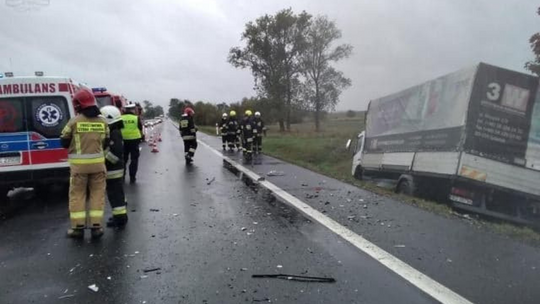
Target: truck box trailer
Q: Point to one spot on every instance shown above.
(472, 137)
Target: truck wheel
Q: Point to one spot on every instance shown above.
(358, 172)
(405, 185)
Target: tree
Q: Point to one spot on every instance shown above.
(323, 84)
(534, 65)
(272, 52)
(350, 113)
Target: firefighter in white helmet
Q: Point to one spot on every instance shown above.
(223, 129)
(258, 130)
(114, 161)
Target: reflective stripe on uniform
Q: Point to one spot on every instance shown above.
(249, 140)
(96, 213)
(115, 174)
(191, 150)
(188, 137)
(85, 159)
(193, 130)
(111, 157)
(77, 143)
(77, 215)
(119, 210)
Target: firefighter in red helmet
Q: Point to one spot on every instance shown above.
(188, 131)
(85, 136)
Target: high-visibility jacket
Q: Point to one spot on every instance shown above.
(131, 129)
(86, 139)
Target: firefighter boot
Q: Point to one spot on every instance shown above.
(76, 233)
(96, 233)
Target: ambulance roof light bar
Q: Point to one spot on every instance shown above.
(8, 74)
(101, 90)
(39, 73)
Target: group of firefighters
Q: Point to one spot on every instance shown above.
(245, 134)
(101, 142)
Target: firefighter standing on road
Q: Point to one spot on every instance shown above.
(85, 136)
(232, 131)
(247, 134)
(132, 135)
(223, 129)
(258, 130)
(189, 134)
(114, 161)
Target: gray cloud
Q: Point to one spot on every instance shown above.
(156, 50)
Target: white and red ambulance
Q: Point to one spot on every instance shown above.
(33, 111)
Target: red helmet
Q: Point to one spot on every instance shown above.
(83, 99)
(189, 111)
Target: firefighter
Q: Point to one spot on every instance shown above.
(232, 131)
(258, 131)
(85, 136)
(189, 134)
(223, 128)
(132, 135)
(114, 161)
(247, 134)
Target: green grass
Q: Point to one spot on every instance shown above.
(324, 152)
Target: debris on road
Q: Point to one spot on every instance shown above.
(243, 269)
(275, 173)
(243, 228)
(261, 300)
(154, 210)
(399, 246)
(143, 277)
(291, 277)
(279, 266)
(151, 270)
(66, 296)
(351, 217)
(93, 288)
(210, 181)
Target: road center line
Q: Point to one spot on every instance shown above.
(423, 282)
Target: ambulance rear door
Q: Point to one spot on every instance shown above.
(14, 145)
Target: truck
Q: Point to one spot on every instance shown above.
(470, 138)
(106, 98)
(33, 112)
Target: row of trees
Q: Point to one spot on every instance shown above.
(150, 111)
(290, 56)
(208, 113)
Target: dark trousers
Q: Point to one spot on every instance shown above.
(131, 150)
(190, 146)
(257, 143)
(117, 199)
(232, 141)
(224, 138)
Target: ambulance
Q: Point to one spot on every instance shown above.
(33, 112)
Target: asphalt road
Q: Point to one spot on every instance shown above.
(207, 233)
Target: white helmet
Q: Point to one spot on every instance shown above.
(224, 115)
(130, 105)
(111, 114)
(257, 114)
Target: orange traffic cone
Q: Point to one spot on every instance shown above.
(155, 149)
(159, 137)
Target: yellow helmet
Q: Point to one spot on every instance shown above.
(232, 113)
(248, 113)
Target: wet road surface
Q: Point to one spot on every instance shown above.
(200, 232)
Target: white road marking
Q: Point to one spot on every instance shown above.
(431, 287)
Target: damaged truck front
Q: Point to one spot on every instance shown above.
(471, 137)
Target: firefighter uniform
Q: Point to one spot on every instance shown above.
(258, 130)
(132, 135)
(223, 128)
(84, 137)
(233, 130)
(114, 161)
(247, 134)
(188, 131)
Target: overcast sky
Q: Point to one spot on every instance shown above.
(156, 50)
